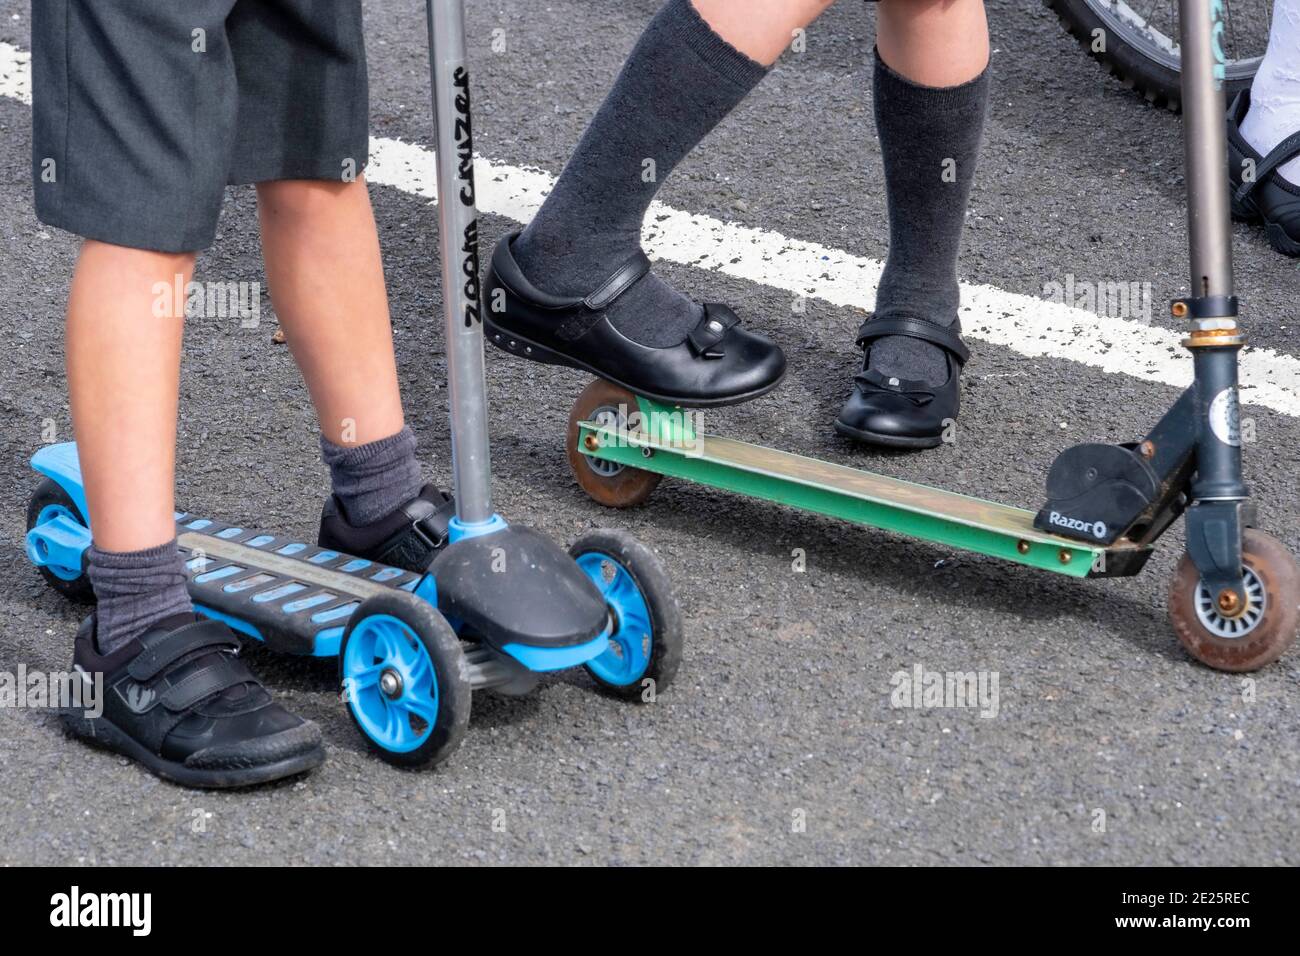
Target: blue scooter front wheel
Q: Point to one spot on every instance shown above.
(405, 680)
(645, 642)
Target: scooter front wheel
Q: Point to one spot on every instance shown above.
(645, 641)
(607, 482)
(405, 680)
(1262, 631)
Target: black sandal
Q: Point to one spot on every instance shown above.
(899, 412)
(1264, 197)
(179, 701)
(719, 363)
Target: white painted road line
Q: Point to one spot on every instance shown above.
(15, 73)
(1025, 324)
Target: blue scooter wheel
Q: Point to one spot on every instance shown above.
(50, 501)
(645, 644)
(405, 680)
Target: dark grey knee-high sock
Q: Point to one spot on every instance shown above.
(373, 480)
(134, 590)
(929, 139)
(678, 84)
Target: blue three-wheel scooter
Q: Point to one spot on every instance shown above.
(500, 603)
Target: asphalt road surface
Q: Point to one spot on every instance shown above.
(778, 744)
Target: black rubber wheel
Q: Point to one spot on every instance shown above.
(405, 680)
(1144, 55)
(646, 642)
(49, 494)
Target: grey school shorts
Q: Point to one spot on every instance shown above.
(144, 110)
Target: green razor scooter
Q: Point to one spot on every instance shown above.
(1235, 598)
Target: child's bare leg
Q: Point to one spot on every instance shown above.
(123, 356)
(327, 283)
(934, 42)
(760, 29)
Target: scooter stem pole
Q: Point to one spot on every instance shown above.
(458, 238)
(1205, 148)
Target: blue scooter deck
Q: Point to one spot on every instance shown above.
(295, 597)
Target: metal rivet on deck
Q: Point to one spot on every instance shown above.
(1022, 547)
(1065, 556)
(592, 442)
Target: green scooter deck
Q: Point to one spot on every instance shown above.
(838, 491)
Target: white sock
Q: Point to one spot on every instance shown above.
(1275, 94)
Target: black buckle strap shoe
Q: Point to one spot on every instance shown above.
(1263, 196)
(899, 412)
(719, 363)
(178, 700)
(409, 538)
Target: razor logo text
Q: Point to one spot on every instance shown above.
(1096, 528)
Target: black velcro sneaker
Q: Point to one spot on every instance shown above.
(408, 538)
(178, 700)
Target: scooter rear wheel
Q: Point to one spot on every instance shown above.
(606, 482)
(1263, 631)
(48, 501)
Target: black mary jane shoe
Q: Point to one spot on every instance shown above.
(719, 363)
(1264, 196)
(899, 412)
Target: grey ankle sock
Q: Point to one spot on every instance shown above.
(930, 140)
(677, 85)
(134, 590)
(373, 480)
